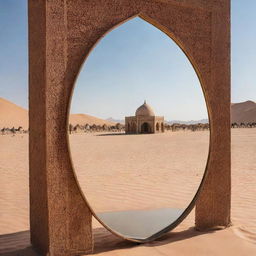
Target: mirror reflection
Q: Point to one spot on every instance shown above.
(138, 131)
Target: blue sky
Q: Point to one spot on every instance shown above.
(134, 62)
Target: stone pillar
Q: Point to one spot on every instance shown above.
(60, 221)
(214, 203)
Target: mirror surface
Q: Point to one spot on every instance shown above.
(139, 132)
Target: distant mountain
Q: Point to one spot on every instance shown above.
(110, 119)
(243, 112)
(202, 121)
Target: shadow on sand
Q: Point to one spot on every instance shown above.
(121, 133)
(106, 241)
(18, 244)
(112, 134)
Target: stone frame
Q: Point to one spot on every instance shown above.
(61, 35)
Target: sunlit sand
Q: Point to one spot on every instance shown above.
(127, 172)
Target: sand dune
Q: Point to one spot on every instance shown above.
(83, 119)
(12, 115)
(243, 112)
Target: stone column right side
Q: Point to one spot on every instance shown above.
(214, 202)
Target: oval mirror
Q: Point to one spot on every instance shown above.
(138, 132)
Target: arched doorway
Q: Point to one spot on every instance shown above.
(133, 128)
(145, 128)
(157, 126)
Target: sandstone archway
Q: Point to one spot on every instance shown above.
(157, 126)
(61, 35)
(145, 128)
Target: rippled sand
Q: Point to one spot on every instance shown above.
(124, 172)
(138, 172)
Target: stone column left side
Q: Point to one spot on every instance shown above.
(39, 224)
(60, 220)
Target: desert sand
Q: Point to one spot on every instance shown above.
(164, 169)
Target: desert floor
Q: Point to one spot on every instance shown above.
(128, 172)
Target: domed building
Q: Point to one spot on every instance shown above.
(144, 121)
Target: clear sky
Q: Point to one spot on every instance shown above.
(134, 62)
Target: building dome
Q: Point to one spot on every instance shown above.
(144, 110)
